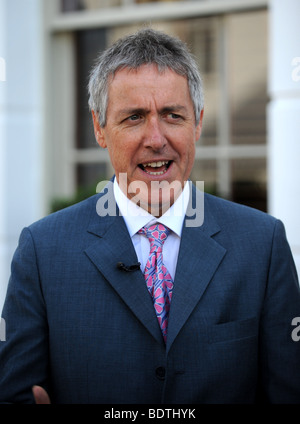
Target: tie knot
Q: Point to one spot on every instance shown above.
(157, 234)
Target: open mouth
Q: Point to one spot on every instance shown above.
(155, 168)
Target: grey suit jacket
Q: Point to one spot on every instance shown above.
(87, 331)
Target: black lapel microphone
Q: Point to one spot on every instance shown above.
(130, 268)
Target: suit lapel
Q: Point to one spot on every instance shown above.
(112, 245)
(199, 257)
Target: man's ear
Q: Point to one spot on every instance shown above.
(98, 130)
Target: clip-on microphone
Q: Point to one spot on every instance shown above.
(130, 268)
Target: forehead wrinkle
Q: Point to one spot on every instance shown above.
(134, 99)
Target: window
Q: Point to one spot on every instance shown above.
(231, 50)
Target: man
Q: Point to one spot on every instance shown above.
(150, 305)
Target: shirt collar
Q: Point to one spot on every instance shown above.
(136, 217)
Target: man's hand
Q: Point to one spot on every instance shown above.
(40, 395)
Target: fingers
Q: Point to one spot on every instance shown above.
(40, 395)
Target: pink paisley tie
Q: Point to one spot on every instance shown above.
(158, 280)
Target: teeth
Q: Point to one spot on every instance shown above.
(156, 164)
(155, 173)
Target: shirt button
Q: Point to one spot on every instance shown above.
(160, 373)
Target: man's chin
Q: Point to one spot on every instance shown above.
(156, 197)
(154, 206)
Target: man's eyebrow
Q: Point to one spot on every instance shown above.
(133, 111)
(142, 111)
(173, 108)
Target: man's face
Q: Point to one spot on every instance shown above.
(150, 134)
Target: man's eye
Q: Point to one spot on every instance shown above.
(174, 116)
(134, 118)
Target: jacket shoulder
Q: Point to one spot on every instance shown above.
(236, 214)
(79, 213)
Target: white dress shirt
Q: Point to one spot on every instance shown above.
(136, 218)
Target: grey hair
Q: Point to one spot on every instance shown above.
(147, 46)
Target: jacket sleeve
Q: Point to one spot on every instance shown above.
(280, 351)
(24, 353)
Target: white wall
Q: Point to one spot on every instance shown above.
(284, 119)
(2, 152)
(21, 122)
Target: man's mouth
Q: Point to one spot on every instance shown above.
(155, 168)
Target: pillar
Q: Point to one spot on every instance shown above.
(21, 120)
(284, 119)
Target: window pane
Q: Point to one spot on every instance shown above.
(203, 39)
(89, 175)
(75, 5)
(249, 184)
(206, 170)
(248, 59)
(89, 44)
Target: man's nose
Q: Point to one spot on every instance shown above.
(154, 136)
